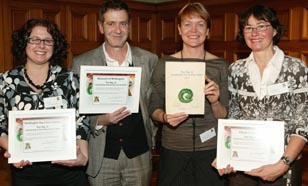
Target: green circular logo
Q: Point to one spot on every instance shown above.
(185, 95)
(228, 142)
(89, 89)
(19, 135)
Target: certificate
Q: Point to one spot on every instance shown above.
(42, 135)
(185, 87)
(249, 144)
(105, 89)
(110, 90)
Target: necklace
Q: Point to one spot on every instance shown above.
(182, 55)
(39, 87)
(193, 117)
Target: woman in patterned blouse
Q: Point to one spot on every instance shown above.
(251, 82)
(40, 47)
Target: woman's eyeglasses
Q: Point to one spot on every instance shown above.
(37, 41)
(258, 28)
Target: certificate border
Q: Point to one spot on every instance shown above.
(224, 155)
(69, 152)
(88, 108)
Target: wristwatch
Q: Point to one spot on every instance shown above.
(286, 160)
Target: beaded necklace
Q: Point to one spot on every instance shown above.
(39, 87)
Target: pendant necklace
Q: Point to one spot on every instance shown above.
(193, 117)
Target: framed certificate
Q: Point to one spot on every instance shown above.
(105, 89)
(249, 144)
(42, 135)
(185, 87)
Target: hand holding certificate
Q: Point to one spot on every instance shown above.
(249, 144)
(42, 135)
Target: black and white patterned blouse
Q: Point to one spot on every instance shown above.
(290, 106)
(15, 94)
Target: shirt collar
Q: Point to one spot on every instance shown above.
(112, 62)
(270, 73)
(276, 61)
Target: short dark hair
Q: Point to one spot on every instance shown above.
(20, 40)
(113, 5)
(195, 9)
(260, 12)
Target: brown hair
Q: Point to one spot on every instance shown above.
(264, 13)
(113, 5)
(195, 9)
(20, 39)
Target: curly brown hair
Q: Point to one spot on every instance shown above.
(20, 39)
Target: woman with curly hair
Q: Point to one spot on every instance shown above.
(40, 47)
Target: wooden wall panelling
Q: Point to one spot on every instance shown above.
(142, 30)
(82, 23)
(294, 38)
(220, 53)
(223, 33)
(220, 49)
(82, 29)
(17, 13)
(217, 31)
(304, 57)
(154, 29)
(296, 15)
(168, 35)
(143, 24)
(231, 26)
(8, 60)
(168, 39)
(285, 19)
(305, 24)
(2, 44)
(292, 53)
